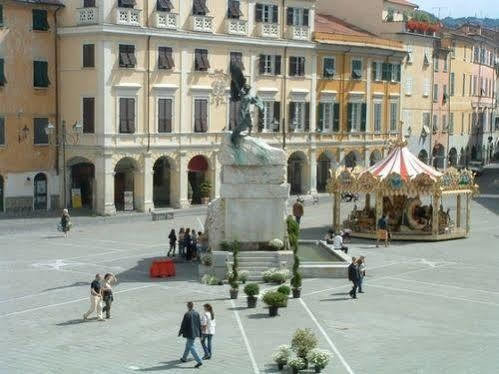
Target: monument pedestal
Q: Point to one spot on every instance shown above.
(252, 207)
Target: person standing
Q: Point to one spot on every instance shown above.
(338, 243)
(65, 222)
(95, 299)
(353, 276)
(362, 271)
(382, 231)
(190, 330)
(194, 244)
(173, 242)
(298, 210)
(107, 293)
(187, 244)
(181, 235)
(207, 330)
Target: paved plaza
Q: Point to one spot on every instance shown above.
(428, 307)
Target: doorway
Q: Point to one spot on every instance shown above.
(40, 193)
(197, 169)
(323, 167)
(161, 183)
(82, 178)
(1, 194)
(296, 173)
(124, 184)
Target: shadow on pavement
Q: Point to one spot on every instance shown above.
(185, 271)
(337, 299)
(74, 322)
(75, 284)
(259, 316)
(168, 365)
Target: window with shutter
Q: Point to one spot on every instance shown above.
(363, 118)
(3, 80)
(165, 58)
(435, 93)
(349, 116)
(40, 21)
(356, 69)
(164, 6)
(1, 15)
(386, 73)
(307, 117)
(165, 115)
(377, 116)
(452, 83)
(266, 117)
(276, 116)
(88, 3)
(297, 66)
(2, 131)
(41, 78)
(127, 115)
(259, 13)
(277, 65)
(200, 115)
(88, 115)
(237, 59)
(234, 10)
(40, 136)
(127, 57)
(394, 116)
(266, 13)
(234, 107)
(336, 117)
(201, 62)
(329, 67)
(290, 16)
(199, 8)
(88, 55)
(126, 3)
(321, 126)
(396, 72)
(292, 116)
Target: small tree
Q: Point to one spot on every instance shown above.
(293, 237)
(234, 277)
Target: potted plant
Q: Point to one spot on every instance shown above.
(205, 189)
(318, 359)
(276, 245)
(252, 290)
(303, 342)
(243, 276)
(234, 276)
(296, 283)
(297, 364)
(285, 290)
(293, 236)
(274, 301)
(282, 355)
(280, 276)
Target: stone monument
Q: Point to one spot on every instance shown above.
(253, 195)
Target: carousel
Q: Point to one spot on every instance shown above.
(420, 202)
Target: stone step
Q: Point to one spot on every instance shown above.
(254, 269)
(259, 264)
(258, 259)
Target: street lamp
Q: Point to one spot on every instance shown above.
(71, 137)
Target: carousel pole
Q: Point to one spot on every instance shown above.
(379, 207)
(468, 213)
(336, 212)
(458, 211)
(436, 208)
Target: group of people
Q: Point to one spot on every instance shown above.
(101, 292)
(195, 326)
(356, 274)
(190, 243)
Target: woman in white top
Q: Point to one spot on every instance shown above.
(207, 330)
(107, 293)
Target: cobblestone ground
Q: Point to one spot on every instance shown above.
(427, 308)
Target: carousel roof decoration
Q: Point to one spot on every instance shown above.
(401, 173)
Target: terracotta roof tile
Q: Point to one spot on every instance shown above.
(403, 2)
(330, 24)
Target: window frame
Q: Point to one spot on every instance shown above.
(300, 125)
(356, 59)
(83, 114)
(203, 53)
(35, 132)
(172, 119)
(127, 66)
(84, 45)
(169, 53)
(38, 87)
(208, 116)
(37, 12)
(356, 129)
(378, 102)
(300, 66)
(395, 120)
(136, 114)
(332, 58)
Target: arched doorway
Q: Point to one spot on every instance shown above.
(161, 182)
(197, 170)
(423, 156)
(1, 193)
(324, 163)
(438, 156)
(462, 157)
(82, 181)
(40, 192)
(453, 157)
(296, 172)
(351, 160)
(375, 157)
(124, 184)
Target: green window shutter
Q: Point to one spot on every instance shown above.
(291, 117)
(3, 80)
(307, 117)
(40, 77)
(336, 118)
(363, 118)
(2, 131)
(40, 21)
(277, 116)
(320, 117)
(349, 119)
(1, 14)
(374, 71)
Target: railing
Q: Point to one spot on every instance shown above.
(299, 32)
(202, 23)
(268, 30)
(166, 20)
(128, 16)
(87, 16)
(237, 26)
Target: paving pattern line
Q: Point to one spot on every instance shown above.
(434, 294)
(331, 344)
(245, 338)
(69, 302)
(443, 285)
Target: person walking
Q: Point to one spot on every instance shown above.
(382, 232)
(173, 242)
(181, 235)
(65, 222)
(95, 299)
(362, 271)
(353, 276)
(298, 210)
(190, 330)
(207, 330)
(107, 293)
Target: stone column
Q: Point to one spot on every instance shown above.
(182, 180)
(379, 207)
(434, 220)
(146, 203)
(458, 210)
(104, 182)
(313, 172)
(217, 178)
(468, 213)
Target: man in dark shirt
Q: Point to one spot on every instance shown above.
(191, 329)
(95, 299)
(382, 232)
(353, 276)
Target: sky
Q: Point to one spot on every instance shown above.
(461, 8)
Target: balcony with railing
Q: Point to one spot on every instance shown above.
(166, 20)
(87, 16)
(268, 30)
(299, 32)
(237, 26)
(202, 23)
(128, 16)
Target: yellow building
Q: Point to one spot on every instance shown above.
(358, 94)
(28, 84)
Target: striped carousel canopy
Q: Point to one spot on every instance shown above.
(403, 162)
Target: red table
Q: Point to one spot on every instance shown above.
(162, 268)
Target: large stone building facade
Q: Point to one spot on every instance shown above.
(28, 84)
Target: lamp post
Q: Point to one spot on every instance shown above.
(71, 137)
